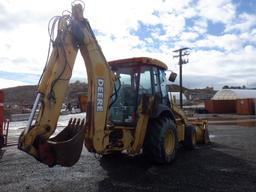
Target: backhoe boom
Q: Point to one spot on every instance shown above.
(74, 32)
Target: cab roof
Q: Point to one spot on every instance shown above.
(139, 61)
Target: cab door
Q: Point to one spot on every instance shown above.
(163, 87)
(160, 85)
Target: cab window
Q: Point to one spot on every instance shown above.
(163, 85)
(145, 86)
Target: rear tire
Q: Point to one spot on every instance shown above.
(161, 140)
(190, 137)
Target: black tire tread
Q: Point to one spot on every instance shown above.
(188, 143)
(154, 141)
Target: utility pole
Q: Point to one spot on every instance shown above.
(181, 53)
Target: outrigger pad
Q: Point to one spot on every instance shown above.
(65, 148)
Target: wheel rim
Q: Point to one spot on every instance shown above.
(169, 142)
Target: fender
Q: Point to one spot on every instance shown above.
(162, 109)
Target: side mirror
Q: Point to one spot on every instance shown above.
(172, 77)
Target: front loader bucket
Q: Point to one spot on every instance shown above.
(65, 148)
(202, 134)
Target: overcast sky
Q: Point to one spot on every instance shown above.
(221, 33)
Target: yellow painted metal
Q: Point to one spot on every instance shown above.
(58, 75)
(53, 87)
(55, 79)
(127, 139)
(142, 123)
(100, 77)
(179, 113)
(139, 133)
(201, 127)
(182, 120)
(180, 130)
(169, 142)
(201, 131)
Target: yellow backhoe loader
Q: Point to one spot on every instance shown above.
(128, 108)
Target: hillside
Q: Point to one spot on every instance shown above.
(20, 99)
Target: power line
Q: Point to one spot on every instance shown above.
(181, 53)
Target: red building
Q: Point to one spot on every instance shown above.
(239, 101)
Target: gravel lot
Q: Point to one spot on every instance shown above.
(226, 164)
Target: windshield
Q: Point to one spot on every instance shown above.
(123, 110)
(132, 84)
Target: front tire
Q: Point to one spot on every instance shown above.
(190, 137)
(161, 140)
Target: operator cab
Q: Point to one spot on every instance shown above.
(136, 76)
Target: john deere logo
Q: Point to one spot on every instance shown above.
(100, 95)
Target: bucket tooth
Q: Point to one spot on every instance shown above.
(73, 122)
(82, 123)
(70, 121)
(78, 122)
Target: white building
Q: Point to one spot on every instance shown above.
(234, 94)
